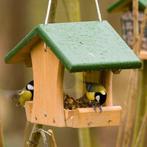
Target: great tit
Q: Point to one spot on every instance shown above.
(96, 94)
(25, 94)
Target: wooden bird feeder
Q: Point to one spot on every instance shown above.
(125, 6)
(76, 47)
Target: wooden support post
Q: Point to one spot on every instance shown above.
(108, 86)
(48, 87)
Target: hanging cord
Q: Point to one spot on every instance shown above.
(48, 12)
(98, 10)
(47, 17)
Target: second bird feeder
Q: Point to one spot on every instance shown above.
(125, 6)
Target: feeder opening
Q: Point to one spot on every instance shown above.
(84, 89)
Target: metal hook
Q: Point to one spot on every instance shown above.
(43, 135)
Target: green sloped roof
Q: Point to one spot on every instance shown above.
(122, 5)
(80, 46)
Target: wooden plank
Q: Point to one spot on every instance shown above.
(107, 81)
(87, 117)
(48, 87)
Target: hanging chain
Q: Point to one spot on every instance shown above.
(98, 10)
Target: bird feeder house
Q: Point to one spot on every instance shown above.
(125, 6)
(87, 47)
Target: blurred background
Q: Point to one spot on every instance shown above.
(17, 18)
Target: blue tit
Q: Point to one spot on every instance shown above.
(25, 94)
(96, 94)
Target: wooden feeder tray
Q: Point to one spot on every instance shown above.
(84, 117)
